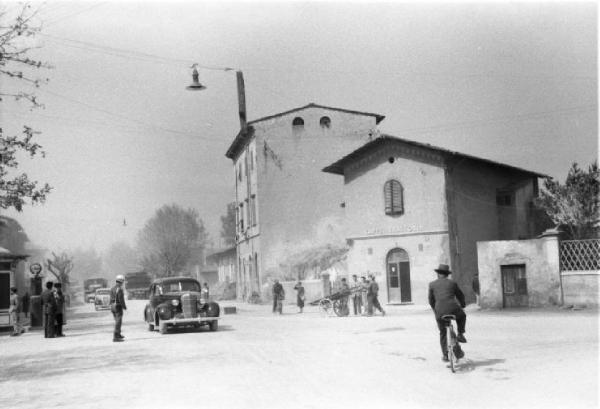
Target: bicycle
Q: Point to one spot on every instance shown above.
(452, 347)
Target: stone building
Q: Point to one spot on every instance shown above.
(285, 204)
(226, 263)
(410, 206)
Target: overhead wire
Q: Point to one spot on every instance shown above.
(127, 118)
(52, 22)
(133, 54)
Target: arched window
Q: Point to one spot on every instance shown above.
(298, 123)
(325, 122)
(393, 197)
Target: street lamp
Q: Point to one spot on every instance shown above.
(197, 86)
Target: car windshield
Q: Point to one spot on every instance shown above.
(176, 286)
(103, 292)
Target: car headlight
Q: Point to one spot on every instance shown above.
(175, 302)
(164, 313)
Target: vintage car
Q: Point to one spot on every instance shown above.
(177, 302)
(102, 299)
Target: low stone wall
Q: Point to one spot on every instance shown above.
(580, 287)
(313, 290)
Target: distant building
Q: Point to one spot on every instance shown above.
(411, 206)
(285, 204)
(225, 260)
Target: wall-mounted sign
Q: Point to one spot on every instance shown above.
(35, 268)
(394, 230)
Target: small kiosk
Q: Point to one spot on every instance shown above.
(11, 275)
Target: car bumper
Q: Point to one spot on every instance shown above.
(188, 321)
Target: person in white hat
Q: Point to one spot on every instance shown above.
(117, 305)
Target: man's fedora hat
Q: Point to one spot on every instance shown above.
(443, 269)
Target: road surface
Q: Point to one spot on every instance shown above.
(543, 358)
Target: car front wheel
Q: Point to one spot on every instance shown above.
(162, 327)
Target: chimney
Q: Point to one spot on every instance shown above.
(241, 100)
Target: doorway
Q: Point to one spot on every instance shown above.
(398, 276)
(514, 286)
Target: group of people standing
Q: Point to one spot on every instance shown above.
(53, 307)
(364, 294)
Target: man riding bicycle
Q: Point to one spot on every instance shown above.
(445, 298)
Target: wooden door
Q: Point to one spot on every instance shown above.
(514, 286)
(393, 283)
(398, 276)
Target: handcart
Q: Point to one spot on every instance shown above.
(336, 302)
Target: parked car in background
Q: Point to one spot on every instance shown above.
(91, 285)
(176, 302)
(102, 299)
(137, 284)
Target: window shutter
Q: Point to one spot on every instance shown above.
(397, 206)
(387, 191)
(393, 197)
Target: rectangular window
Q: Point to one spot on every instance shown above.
(241, 217)
(253, 209)
(504, 198)
(248, 214)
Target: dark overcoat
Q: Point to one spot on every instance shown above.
(445, 297)
(117, 297)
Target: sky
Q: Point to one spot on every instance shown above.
(510, 82)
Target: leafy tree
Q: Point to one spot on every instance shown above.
(574, 206)
(228, 225)
(60, 265)
(171, 240)
(120, 258)
(16, 33)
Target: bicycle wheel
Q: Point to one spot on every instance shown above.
(450, 342)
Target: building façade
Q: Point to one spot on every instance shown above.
(410, 206)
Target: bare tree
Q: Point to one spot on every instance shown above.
(169, 240)
(60, 266)
(17, 29)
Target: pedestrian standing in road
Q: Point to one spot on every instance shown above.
(60, 310)
(356, 288)
(14, 310)
(117, 306)
(49, 310)
(445, 298)
(25, 304)
(278, 297)
(372, 297)
(204, 294)
(364, 284)
(299, 296)
(345, 294)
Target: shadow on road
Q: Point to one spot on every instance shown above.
(469, 365)
(392, 329)
(87, 314)
(184, 330)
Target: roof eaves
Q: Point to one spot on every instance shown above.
(338, 166)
